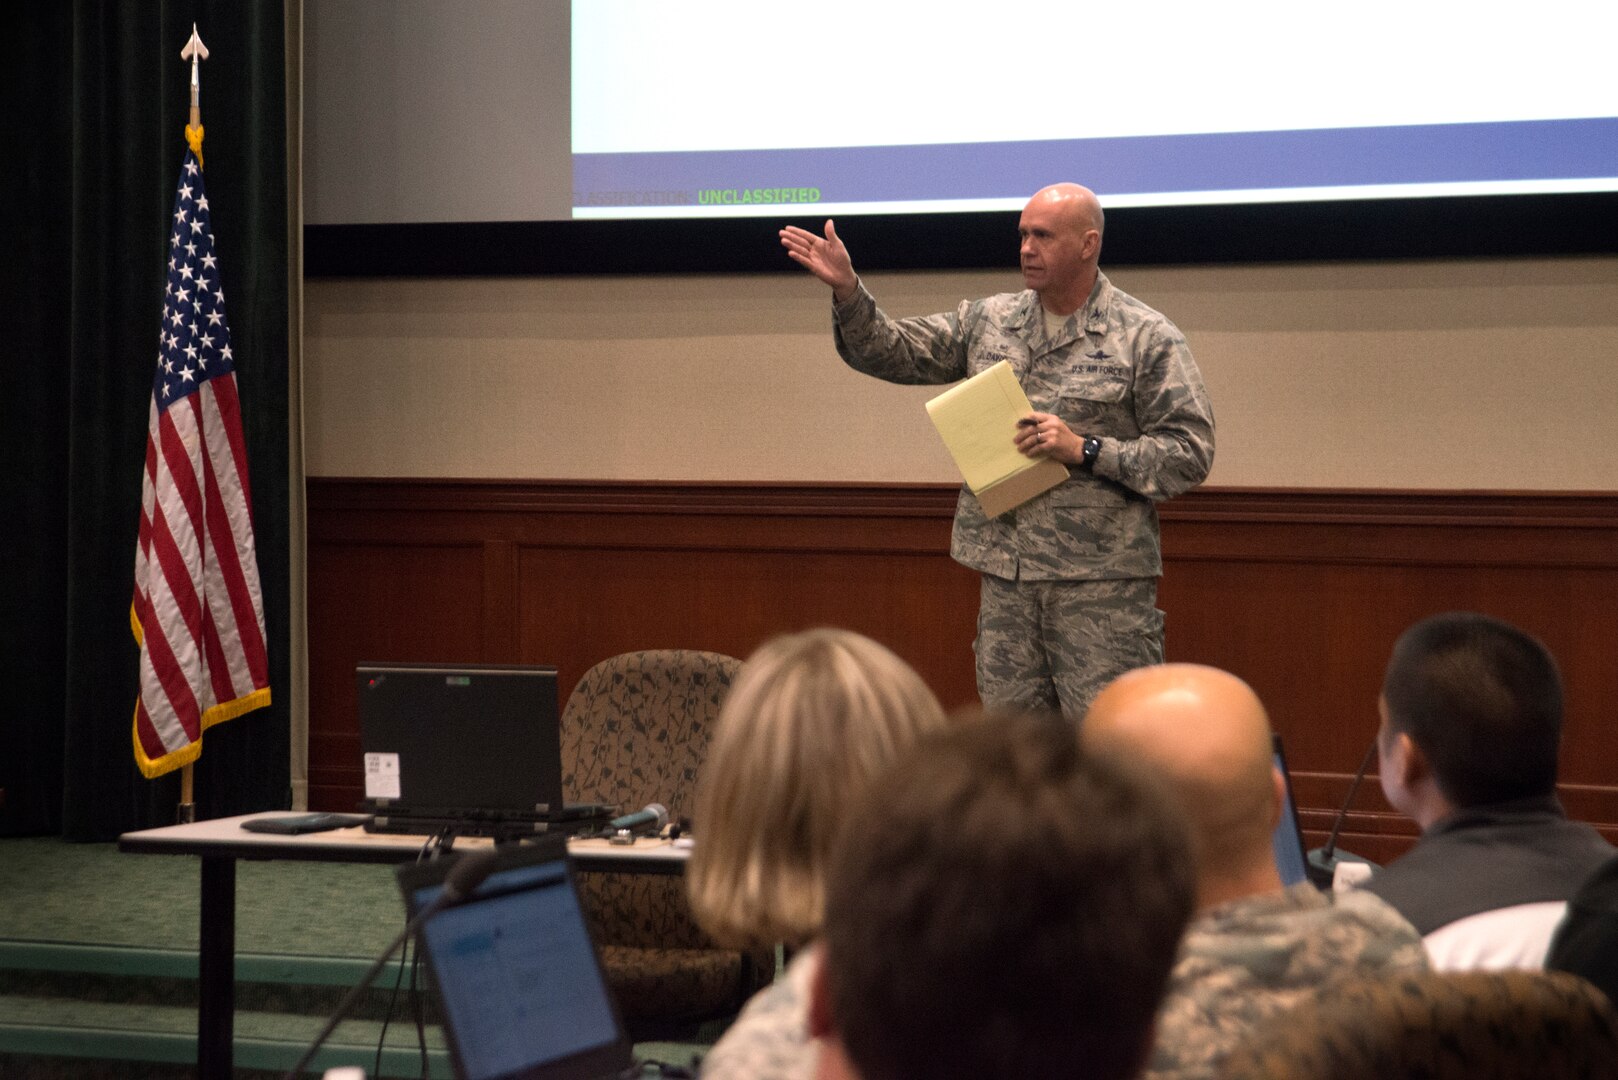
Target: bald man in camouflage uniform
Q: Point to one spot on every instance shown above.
(1069, 586)
(1255, 947)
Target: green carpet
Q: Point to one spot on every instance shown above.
(98, 952)
(51, 890)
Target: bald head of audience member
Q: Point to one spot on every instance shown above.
(1207, 734)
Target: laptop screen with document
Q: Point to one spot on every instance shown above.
(519, 983)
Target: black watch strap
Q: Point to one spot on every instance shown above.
(1092, 450)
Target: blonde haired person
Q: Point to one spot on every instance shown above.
(812, 717)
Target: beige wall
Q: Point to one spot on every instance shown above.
(1482, 374)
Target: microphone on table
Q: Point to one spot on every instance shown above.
(654, 814)
(1322, 862)
(462, 880)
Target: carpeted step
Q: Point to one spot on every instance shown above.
(133, 976)
(38, 1031)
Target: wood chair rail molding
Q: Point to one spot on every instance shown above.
(1301, 592)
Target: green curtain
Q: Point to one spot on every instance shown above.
(86, 195)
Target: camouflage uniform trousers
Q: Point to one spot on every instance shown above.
(1052, 645)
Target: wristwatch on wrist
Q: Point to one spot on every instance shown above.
(1092, 449)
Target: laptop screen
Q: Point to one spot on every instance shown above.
(1287, 839)
(517, 976)
(443, 739)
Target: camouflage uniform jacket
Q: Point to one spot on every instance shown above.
(770, 1038)
(1118, 370)
(1245, 962)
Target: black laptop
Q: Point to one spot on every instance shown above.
(476, 749)
(518, 979)
(1287, 840)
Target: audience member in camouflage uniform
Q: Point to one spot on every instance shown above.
(1070, 577)
(811, 718)
(1255, 947)
(770, 1039)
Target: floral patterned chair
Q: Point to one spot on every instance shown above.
(1476, 1025)
(635, 732)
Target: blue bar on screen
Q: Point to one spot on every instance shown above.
(1554, 150)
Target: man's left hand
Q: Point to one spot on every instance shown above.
(1045, 435)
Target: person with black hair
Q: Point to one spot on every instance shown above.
(1586, 942)
(1469, 742)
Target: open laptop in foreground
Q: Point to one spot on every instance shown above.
(473, 748)
(518, 979)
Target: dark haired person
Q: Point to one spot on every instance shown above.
(1255, 947)
(1068, 590)
(1000, 905)
(1586, 942)
(1471, 732)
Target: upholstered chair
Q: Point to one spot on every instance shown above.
(634, 732)
(1478, 1025)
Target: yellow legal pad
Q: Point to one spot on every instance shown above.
(978, 421)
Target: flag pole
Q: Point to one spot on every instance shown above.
(186, 812)
(194, 51)
(197, 611)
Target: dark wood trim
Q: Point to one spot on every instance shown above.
(1501, 529)
(1364, 506)
(1216, 505)
(500, 582)
(633, 497)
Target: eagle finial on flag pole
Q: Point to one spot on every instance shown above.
(195, 51)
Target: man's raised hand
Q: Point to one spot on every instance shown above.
(823, 256)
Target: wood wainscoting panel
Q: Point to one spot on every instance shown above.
(570, 574)
(1302, 593)
(386, 598)
(594, 604)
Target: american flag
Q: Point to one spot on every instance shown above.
(198, 613)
